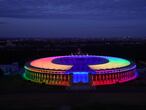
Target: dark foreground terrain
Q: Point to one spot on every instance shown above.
(17, 93)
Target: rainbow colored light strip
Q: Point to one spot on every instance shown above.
(113, 63)
(46, 63)
(78, 69)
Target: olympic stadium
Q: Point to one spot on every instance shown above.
(80, 70)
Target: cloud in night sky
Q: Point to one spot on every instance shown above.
(73, 8)
(102, 16)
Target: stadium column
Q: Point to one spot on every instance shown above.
(71, 79)
(48, 78)
(110, 81)
(118, 77)
(36, 77)
(97, 79)
(103, 78)
(90, 79)
(45, 78)
(56, 79)
(113, 78)
(107, 77)
(99, 82)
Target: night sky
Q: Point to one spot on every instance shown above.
(72, 18)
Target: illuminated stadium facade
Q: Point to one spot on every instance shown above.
(80, 70)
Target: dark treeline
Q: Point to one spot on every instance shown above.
(23, 50)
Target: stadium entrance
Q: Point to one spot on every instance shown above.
(80, 77)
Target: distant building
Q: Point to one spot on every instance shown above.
(11, 69)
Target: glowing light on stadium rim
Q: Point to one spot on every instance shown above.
(70, 70)
(47, 63)
(113, 63)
